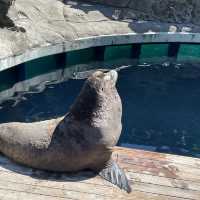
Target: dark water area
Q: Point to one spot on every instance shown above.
(161, 106)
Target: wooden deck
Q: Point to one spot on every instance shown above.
(153, 176)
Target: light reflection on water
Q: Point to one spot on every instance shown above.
(161, 104)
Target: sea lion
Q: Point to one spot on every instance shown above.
(83, 139)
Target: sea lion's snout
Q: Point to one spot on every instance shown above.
(111, 75)
(114, 75)
(103, 80)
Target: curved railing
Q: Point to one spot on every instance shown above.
(95, 41)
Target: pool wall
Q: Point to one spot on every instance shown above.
(98, 41)
(112, 56)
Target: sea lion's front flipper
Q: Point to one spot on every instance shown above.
(114, 174)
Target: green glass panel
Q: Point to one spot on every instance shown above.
(189, 52)
(117, 52)
(40, 66)
(153, 53)
(80, 56)
(7, 79)
(154, 50)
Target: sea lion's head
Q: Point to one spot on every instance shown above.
(99, 90)
(103, 81)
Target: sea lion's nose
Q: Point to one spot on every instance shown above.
(114, 75)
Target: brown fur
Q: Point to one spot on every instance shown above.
(83, 139)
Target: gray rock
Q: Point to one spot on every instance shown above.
(184, 11)
(27, 24)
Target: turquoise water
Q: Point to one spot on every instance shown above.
(161, 104)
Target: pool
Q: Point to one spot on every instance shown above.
(161, 107)
(161, 110)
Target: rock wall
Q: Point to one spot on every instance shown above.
(30, 29)
(175, 11)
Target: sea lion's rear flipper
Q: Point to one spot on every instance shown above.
(114, 174)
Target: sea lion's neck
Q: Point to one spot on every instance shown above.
(86, 104)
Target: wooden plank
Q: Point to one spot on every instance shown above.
(98, 185)
(156, 169)
(139, 165)
(151, 176)
(74, 189)
(162, 181)
(97, 181)
(173, 192)
(15, 195)
(135, 153)
(156, 166)
(70, 190)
